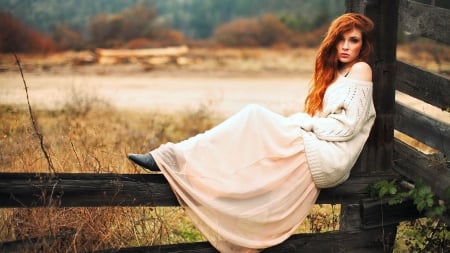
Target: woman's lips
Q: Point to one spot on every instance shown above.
(344, 55)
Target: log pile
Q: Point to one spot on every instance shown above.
(148, 56)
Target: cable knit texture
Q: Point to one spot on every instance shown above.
(335, 136)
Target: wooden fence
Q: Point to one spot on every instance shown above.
(366, 225)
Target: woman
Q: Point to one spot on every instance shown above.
(250, 181)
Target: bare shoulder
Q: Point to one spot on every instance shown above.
(361, 71)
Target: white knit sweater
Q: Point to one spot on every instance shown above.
(335, 136)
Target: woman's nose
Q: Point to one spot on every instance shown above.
(345, 45)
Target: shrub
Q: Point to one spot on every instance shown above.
(18, 37)
(67, 38)
(113, 29)
(169, 38)
(162, 38)
(265, 31)
(139, 43)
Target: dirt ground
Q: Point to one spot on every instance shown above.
(161, 90)
(133, 86)
(226, 80)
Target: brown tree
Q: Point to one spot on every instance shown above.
(18, 37)
(264, 31)
(67, 38)
(114, 29)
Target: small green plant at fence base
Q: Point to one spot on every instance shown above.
(421, 195)
(427, 234)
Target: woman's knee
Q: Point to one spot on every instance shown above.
(254, 108)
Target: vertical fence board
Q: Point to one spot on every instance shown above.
(377, 156)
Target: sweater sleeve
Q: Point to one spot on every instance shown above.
(346, 108)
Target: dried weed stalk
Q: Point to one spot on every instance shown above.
(51, 168)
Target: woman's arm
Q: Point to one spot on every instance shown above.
(346, 108)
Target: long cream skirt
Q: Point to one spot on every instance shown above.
(245, 183)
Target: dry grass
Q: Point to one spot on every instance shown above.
(96, 140)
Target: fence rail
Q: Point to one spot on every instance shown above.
(428, 130)
(20, 190)
(434, 169)
(23, 190)
(425, 20)
(421, 84)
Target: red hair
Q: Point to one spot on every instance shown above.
(325, 71)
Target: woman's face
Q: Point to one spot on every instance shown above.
(349, 46)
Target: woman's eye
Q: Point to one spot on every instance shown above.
(354, 40)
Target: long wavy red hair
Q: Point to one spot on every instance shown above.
(327, 64)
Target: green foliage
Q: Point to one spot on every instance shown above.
(422, 235)
(381, 188)
(421, 195)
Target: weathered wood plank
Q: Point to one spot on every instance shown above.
(371, 213)
(80, 190)
(377, 155)
(350, 217)
(376, 213)
(433, 170)
(351, 191)
(355, 6)
(434, 133)
(425, 20)
(197, 247)
(29, 244)
(428, 87)
(371, 241)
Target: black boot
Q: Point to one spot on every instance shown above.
(146, 161)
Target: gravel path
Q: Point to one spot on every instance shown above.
(170, 90)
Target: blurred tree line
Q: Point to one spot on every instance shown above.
(194, 18)
(81, 24)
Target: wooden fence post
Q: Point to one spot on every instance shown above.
(376, 158)
(378, 152)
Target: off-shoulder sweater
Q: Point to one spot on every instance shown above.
(335, 136)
